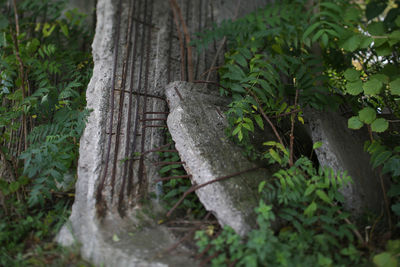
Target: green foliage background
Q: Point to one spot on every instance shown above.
(45, 65)
(293, 55)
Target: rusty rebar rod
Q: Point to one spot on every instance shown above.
(141, 169)
(128, 45)
(100, 206)
(127, 164)
(197, 187)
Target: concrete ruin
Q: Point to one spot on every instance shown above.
(197, 125)
(136, 52)
(342, 150)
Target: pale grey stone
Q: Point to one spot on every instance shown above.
(342, 150)
(197, 125)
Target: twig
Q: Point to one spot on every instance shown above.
(355, 231)
(196, 187)
(21, 70)
(292, 130)
(266, 117)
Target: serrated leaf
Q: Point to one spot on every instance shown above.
(367, 115)
(395, 87)
(352, 43)
(354, 123)
(384, 50)
(354, 88)
(372, 87)
(379, 125)
(380, 77)
(376, 28)
(352, 75)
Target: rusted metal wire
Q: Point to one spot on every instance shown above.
(196, 187)
(127, 154)
(162, 163)
(128, 45)
(101, 206)
(141, 171)
(130, 188)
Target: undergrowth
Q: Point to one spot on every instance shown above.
(282, 59)
(45, 65)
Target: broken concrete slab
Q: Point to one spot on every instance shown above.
(156, 63)
(197, 126)
(342, 150)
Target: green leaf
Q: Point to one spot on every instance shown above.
(376, 28)
(352, 43)
(394, 38)
(380, 125)
(237, 88)
(372, 87)
(385, 259)
(367, 115)
(311, 29)
(275, 155)
(309, 190)
(380, 77)
(354, 88)
(317, 145)
(309, 211)
(323, 196)
(352, 75)
(261, 186)
(384, 50)
(3, 22)
(259, 121)
(381, 158)
(395, 87)
(115, 238)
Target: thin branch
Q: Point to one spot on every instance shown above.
(266, 117)
(21, 70)
(292, 130)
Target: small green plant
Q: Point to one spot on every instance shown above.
(313, 229)
(281, 59)
(45, 66)
(174, 188)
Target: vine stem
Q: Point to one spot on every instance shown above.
(292, 129)
(266, 117)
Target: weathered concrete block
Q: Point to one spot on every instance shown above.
(342, 150)
(197, 123)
